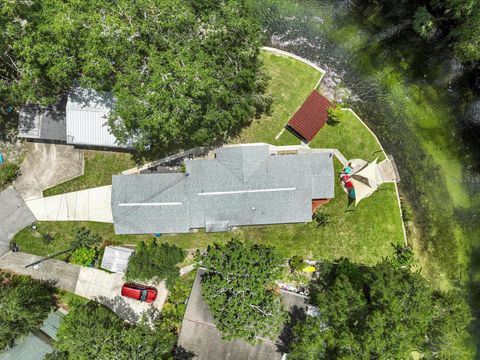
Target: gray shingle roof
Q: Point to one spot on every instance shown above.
(244, 185)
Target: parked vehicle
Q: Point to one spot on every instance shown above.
(139, 292)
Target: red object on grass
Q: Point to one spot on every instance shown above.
(345, 177)
(310, 117)
(139, 292)
(349, 184)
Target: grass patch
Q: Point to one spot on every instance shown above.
(363, 233)
(99, 168)
(68, 300)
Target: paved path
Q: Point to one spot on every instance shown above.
(65, 275)
(85, 205)
(91, 283)
(47, 165)
(14, 216)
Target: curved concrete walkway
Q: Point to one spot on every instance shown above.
(85, 205)
(47, 165)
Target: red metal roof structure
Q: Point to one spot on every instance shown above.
(310, 117)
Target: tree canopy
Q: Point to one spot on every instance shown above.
(459, 20)
(380, 312)
(105, 336)
(24, 304)
(183, 72)
(151, 261)
(238, 288)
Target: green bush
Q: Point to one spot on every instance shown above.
(83, 256)
(8, 173)
(296, 263)
(151, 261)
(83, 237)
(321, 218)
(334, 115)
(403, 257)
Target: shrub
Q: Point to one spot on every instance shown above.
(48, 238)
(321, 218)
(403, 257)
(8, 173)
(83, 256)
(296, 263)
(83, 237)
(334, 115)
(151, 261)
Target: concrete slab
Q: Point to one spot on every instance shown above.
(64, 275)
(47, 165)
(85, 205)
(14, 216)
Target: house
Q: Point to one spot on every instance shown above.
(310, 117)
(201, 339)
(250, 184)
(78, 119)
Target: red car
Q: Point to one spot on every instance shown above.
(139, 292)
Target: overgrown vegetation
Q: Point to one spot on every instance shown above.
(199, 83)
(238, 289)
(24, 304)
(380, 312)
(155, 262)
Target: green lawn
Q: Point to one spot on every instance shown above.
(363, 233)
(99, 168)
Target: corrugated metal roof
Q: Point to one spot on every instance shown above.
(115, 258)
(310, 117)
(87, 114)
(242, 186)
(39, 122)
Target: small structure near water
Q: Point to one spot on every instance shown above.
(310, 117)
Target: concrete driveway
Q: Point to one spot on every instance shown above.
(88, 282)
(85, 205)
(65, 277)
(14, 216)
(47, 165)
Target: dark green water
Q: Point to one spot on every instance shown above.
(413, 95)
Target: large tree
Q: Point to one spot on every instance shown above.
(238, 287)
(183, 72)
(151, 261)
(380, 312)
(93, 331)
(459, 20)
(24, 304)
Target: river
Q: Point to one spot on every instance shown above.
(413, 95)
